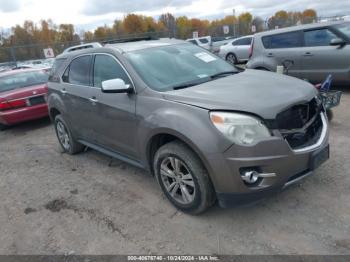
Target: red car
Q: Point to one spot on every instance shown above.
(23, 95)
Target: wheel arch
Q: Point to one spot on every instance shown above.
(163, 137)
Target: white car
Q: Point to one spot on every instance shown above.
(236, 51)
(204, 42)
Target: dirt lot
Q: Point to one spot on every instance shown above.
(53, 203)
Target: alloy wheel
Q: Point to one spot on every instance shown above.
(177, 180)
(63, 135)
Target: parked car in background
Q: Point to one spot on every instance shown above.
(23, 95)
(205, 129)
(236, 51)
(217, 42)
(315, 50)
(204, 42)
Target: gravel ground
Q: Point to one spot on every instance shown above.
(53, 203)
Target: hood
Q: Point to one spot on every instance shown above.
(257, 92)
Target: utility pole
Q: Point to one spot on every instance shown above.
(234, 23)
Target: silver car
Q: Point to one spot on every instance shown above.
(313, 51)
(236, 51)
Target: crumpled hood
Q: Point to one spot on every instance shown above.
(258, 92)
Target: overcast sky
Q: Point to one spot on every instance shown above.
(88, 14)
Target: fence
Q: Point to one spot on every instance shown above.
(14, 54)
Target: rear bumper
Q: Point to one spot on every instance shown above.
(11, 117)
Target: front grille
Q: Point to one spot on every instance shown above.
(301, 125)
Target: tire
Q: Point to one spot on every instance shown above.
(65, 138)
(192, 178)
(232, 59)
(3, 127)
(330, 114)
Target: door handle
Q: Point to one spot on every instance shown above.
(63, 91)
(308, 54)
(270, 55)
(93, 100)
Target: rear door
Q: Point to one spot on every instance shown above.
(113, 114)
(319, 58)
(76, 92)
(241, 48)
(280, 48)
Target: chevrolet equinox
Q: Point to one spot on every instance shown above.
(204, 129)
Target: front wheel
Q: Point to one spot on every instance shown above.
(183, 179)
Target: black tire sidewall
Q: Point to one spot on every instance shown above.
(234, 58)
(200, 202)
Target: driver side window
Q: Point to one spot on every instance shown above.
(107, 68)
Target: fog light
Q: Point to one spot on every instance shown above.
(252, 176)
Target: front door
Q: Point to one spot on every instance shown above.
(113, 114)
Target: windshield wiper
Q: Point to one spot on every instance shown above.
(223, 74)
(185, 85)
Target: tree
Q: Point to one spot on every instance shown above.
(183, 27)
(309, 16)
(244, 23)
(259, 23)
(88, 36)
(66, 32)
(168, 21)
(134, 24)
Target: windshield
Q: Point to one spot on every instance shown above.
(344, 28)
(163, 68)
(22, 79)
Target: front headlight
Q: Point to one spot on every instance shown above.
(240, 129)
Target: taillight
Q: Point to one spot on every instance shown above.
(251, 48)
(4, 106)
(12, 104)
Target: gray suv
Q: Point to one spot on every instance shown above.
(204, 129)
(316, 50)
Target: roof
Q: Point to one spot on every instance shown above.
(139, 45)
(298, 27)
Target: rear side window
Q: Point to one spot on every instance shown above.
(286, 40)
(56, 69)
(243, 41)
(78, 71)
(319, 37)
(107, 68)
(203, 40)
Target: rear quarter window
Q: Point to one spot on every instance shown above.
(57, 67)
(285, 40)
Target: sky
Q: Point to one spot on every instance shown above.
(88, 14)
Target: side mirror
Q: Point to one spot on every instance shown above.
(338, 42)
(116, 86)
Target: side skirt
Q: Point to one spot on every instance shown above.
(112, 154)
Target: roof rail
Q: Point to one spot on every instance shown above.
(130, 39)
